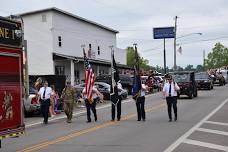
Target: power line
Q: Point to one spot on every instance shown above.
(187, 42)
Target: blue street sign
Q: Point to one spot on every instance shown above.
(164, 32)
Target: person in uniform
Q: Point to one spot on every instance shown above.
(170, 93)
(140, 104)
(118, 104)
(91, 104)
(44, 96)
(68, 95)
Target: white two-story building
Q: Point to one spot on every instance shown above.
(54, 44)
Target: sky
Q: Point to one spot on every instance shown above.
(135, 20)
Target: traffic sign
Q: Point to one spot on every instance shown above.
(164, 32)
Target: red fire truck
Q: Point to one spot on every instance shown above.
(11, 79)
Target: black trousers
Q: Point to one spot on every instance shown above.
(140, 105)
(118, 107)
(45, 109)
(172, 102)
(91, 106)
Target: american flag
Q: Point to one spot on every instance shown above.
(89, 78)
(180, 50)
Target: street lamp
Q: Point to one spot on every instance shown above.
(186, 35)
(189, 35)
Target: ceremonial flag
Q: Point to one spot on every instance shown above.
(89, 78)
(136, 90)
(115, 80)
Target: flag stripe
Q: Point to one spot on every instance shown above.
(89, 77)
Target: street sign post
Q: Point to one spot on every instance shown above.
(164, 33)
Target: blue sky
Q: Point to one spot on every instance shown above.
(135, 19)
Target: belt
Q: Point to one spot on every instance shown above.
(45, 99)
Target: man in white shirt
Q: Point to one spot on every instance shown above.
(170, 93)
(44, 96)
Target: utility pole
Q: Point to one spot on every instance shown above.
(164, 58)
(175, 38)
(204, 59)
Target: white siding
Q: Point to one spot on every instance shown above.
(74, 33)
(39, 44)
(121, 56)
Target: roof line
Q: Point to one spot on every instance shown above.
(69, 14)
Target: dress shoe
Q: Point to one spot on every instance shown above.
(69, 121)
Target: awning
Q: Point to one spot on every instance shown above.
(61, 57)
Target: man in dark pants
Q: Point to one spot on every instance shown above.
(117, 105)
(91, 104)
(44, 98)
(170, 93)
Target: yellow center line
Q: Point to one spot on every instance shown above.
(85, 131)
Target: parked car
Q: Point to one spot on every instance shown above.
(225, 75)
(103, 88)
(31, 104)
(204, 81)
(126, 81)
(187, 83)
(218, 79)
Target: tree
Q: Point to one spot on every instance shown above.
(143, 63)
(189, 68)
(199, 68)
(218, 57)
(179, 68)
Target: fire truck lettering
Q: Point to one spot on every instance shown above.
(6, 33)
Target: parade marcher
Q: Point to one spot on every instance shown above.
(44, 96)
(170, 93)
(68, 95)
(118, 104)
(52, 101)
(140, 104)
(91, 104)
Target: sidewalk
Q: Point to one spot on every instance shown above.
(78, 110)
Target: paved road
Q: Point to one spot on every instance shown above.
(202, 126)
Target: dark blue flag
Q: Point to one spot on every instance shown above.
(136, 89)
(114, 82)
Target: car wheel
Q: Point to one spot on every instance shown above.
(27, 114)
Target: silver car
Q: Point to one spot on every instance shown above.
(31, 105)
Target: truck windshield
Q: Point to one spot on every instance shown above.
(181, 77)
(201, 76)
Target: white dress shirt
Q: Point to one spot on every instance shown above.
(94, 93)
(119, 86)
(174, 88)
(48, 93)
(143, 90)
